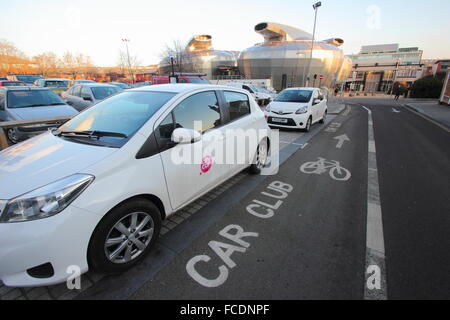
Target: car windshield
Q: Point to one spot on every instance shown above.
(197, 80)
(294, 96)
(124, 113)
(13, 84)
(101, 93)
(33, 98)
(55, 83)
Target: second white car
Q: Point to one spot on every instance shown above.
(297, 108)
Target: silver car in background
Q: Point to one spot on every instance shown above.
(56, 85)
(30, 103)
(83, 96)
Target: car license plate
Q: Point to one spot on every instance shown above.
(280, 120)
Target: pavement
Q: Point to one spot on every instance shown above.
(432, 110)
(358, 210)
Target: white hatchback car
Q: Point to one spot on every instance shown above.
(93, 192)
(297, 108)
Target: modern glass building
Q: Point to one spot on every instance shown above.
(284, 57)
(376, 68)
(199, 56)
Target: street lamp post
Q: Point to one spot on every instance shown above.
(316, 6)
(129, 61)
(304, 67)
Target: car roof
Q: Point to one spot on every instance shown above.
(24, 89)
(303, 88)
(55, 79)
(182, 87)
(95, 84)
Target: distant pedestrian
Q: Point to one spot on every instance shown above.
(397, 92)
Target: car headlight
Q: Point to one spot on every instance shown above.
(45, 201)
(303, 109)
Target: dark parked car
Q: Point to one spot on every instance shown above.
(83, 96)
(29, 103)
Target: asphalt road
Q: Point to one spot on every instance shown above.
(414, 168)
(305, 234)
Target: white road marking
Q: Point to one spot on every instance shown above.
(342, 139)
(304, 146)
(336, 171)
(375, 286)
(395, 110)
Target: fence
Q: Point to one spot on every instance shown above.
(25, 123)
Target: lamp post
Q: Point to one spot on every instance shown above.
(304, 66)
(316, 6)
(129, 61)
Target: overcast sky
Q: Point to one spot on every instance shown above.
(96, 27)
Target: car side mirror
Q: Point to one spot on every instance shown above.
(185, 136)
(87, 98)
(316, 101)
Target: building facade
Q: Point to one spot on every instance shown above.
(284, 57)
(199, 56)
(377, 68)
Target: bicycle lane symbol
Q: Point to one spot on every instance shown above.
(334, 168)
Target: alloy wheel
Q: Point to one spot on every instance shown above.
(129, 237)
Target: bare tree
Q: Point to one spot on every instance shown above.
(183, 61)
(128, 64)
(46, 63)
(9, 49)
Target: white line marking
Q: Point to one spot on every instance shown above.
(375, 287)
(304, 146)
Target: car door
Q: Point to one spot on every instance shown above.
(3, 112)
(323, 104)
(315, 108)
(75, 98)
(240, 140)
(190, 169)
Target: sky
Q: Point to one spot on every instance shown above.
(96, 27)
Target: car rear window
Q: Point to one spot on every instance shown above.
(32, 98)
(55, 84)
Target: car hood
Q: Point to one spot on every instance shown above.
(277, 107)
(43, 112)
(43, 160)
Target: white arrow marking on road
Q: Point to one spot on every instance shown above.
(341, 139)
(395, 110)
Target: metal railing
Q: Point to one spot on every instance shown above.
(24, 123)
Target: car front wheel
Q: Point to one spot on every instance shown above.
(261, 158)
(124, 236)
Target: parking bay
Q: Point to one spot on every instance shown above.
(313, 246)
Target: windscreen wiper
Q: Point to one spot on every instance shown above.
(91, 134)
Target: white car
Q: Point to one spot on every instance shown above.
(93, 193)
(260, 95)
(297, 108)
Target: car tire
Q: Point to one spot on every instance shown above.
(12, 135)
(324, 116)
(308, 125)
(263, 150)
(100, 251)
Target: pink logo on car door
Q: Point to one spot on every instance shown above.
(206, 164)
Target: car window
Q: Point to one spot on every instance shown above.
(290, 95)
(86, 92)
(2, 100)
(315, 95)
(76, 91)
(55, 83)
(32, 98)
(200, 111)
(166, 128)
(101, 93)
(238, 104)
(124, 113)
